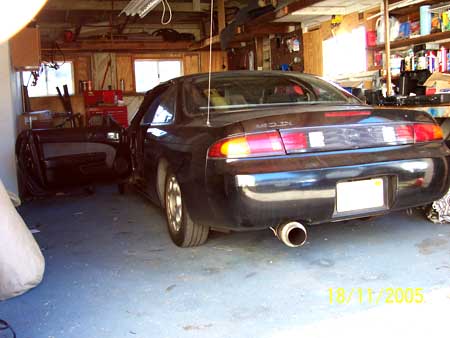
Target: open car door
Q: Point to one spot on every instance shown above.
(51, 160)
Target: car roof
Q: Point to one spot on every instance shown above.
(240, 73)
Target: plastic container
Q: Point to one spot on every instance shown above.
(425, 20)
(371, 38)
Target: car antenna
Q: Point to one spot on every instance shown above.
(208, 123)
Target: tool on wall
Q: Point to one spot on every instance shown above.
(108, 66)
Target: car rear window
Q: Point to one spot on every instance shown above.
(236, 92)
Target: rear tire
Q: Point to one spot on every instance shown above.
(183, 231)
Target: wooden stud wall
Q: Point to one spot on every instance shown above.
(125, 72)
(313, 40)
(92, 67)
(312, 52)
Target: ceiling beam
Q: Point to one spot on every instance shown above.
(91, 17)
(323, 10)
(87, 5)
(109, 46)
(282, 12)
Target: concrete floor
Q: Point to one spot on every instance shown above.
(113, 272)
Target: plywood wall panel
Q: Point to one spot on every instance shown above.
(53, 103)
(82, 70)
(191, 64)
(100, 68)
(219, 62)
(312, 52)
(313, 40)
(125, 72)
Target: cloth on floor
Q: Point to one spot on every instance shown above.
(21, 261)
(440, 210)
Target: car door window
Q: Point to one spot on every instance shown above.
(162, 108)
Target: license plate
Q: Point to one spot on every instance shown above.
(360, 195)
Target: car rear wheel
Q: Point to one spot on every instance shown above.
(183, 231)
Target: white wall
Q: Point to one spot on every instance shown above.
(10, 107)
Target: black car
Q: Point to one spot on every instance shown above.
(262, 150)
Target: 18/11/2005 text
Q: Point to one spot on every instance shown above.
(371, 296)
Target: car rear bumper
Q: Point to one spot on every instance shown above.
(244, 199)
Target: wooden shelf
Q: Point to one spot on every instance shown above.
(260, 25)
(436, 37)
(204, 44)
(107, 45)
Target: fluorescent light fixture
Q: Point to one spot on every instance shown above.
(16, 14)
(140, 7)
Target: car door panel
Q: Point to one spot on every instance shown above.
(156, 117)
(76, 156)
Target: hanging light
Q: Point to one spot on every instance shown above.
(140, 7)
(16, 14)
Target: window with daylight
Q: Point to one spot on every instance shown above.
(345, 53)
(150, 73)
(49, 79)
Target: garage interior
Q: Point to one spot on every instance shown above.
(111, 269)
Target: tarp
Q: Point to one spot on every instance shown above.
(21, 261)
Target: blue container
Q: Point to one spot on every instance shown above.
(405, 30)
(425, 20)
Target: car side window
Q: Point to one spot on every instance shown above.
(162, 108)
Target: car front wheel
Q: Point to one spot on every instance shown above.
(183, 231)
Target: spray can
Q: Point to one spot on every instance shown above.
(443, 60)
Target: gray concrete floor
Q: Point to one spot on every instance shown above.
(112, 271)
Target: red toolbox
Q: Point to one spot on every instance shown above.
(118, 113)
(105, 103)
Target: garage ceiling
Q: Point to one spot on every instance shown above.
(322, 11)
(92, 18)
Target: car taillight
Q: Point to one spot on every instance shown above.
(425, 132)
(262, 144)
(404, 133)
(295, 141)
(348, 113)
(328, 138)
(342, 137)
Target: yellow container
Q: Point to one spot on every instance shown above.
(445, 22)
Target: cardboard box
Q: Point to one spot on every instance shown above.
(36, 120)
(440, 82)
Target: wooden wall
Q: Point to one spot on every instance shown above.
(281, 54)
(312, 52)
(92, 67)
(313, 39)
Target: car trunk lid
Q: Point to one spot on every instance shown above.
(326, 129)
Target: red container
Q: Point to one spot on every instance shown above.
(371, 38)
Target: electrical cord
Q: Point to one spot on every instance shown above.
(169, 20)
(5, 326)
(53, 63)
(208, 123)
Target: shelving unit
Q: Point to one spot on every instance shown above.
(440, 37)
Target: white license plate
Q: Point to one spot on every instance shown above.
(359, 195)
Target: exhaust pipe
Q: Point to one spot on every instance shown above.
(293, 234)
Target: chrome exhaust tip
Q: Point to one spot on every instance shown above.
(292, 234)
